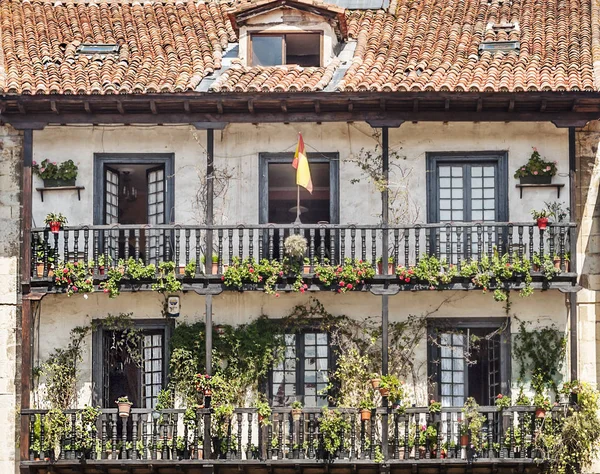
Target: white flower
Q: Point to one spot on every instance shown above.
(85, 297)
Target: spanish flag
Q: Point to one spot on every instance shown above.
(300, 164)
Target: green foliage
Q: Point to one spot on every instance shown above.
(166, 280)
(334, 427)
(502, 401)
(540, 355)
(47, 169)
(54, 217)
(249, 270)
(75, 277)
(190, 269)
(473, 421)
(263, 409)
(346, 277)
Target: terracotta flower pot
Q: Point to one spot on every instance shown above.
(306, 269)
(124, 409)
(464, 440)
(365, 414)
(557, 264)
(215, 268)
(390, 270)
(296, 412)
(208, 393)
(542, 223)
(385, 392)
(55, 227)
(540, 413)
(375, 383)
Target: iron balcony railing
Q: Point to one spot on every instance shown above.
(195, 434)
(103, 245)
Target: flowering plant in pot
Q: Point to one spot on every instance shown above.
(55, 175)
(536, 170)
(296, 410)
(55, 222)
(541, 218)
(406, 275)
(391, 269)
(124, 406)
(263, 410)
(502, 402)
(375, 380)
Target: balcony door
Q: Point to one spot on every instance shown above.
(134, 190)
(469, 360)
(278, 193)
(465, 188)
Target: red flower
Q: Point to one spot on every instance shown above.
(222, 278)
(342, 283)
(350, 286)
(75, 289)
(407, 280)
(281, 274)
(105, 290)
(500, 396)
(302, 290)
(251, 270)
(276, 295)
(305, 286)
(65, 270)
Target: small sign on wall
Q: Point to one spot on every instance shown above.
(173, 306)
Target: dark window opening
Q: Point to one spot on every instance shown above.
(469, 362)
(303, 374)
(302, 49)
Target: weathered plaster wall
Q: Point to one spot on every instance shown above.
(237, 149)
(10, 310)
(59, 315)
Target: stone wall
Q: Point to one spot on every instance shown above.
(10, 307)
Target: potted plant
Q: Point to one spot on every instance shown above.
(124, 406)
(388, 383)
(365, 407)
(566, 260)
(435, 410)
(390, 270)
(55, 175)
(541, 218)
(542, 405)
(40, 246)
(295, 246)
(306, 265)
(263, 409)
(215, 264)
(502, 402)
(473, 421)
(375, 381)
(464, 435)
(536, 170)
(55, 222)
(296, 410)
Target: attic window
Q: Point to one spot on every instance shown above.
(97, 48)
(499, 46)
(302, 49)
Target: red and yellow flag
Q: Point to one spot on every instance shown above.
(300, 164)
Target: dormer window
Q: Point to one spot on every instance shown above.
(302, 49)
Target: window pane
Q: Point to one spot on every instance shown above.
(266, 50)
(303, 49)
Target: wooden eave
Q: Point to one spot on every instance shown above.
(565, 109)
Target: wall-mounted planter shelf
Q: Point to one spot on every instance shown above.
(61, 188)
(551, 185)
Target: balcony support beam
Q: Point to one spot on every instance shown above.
(385, 165)
(209, 217)
(208, 323)
(573, 250)
(26, 307)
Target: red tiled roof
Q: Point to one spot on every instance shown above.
(169, 46)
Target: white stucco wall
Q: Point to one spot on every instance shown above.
(237, 148)
(59, 315)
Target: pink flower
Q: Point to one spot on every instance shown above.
(75, 289)
(65, 270)
(500, 396)
(54, 163)
(251, 270)
(535, 172)
(276, 295)
(105, 290)
(281, 274)
(547, 168)
(350, 286)
(34, 163)
(42, 170)
(407, 280)
(535, 149)
(342, 283)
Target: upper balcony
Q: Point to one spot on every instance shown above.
(505, 256)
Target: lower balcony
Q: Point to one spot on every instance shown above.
(347, 440)
(429, 256)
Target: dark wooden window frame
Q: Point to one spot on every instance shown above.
(283, 34)
(149, 325)
(103, 159)
(314, 328)
(467, 157)
(334, 181)
(434, 325)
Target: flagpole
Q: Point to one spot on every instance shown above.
(298, 206)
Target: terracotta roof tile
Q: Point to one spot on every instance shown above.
(169, 46)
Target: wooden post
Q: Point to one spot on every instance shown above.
(573, 250)
(26, 311)
(384, 266)
(208, 342)
(210, 176)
